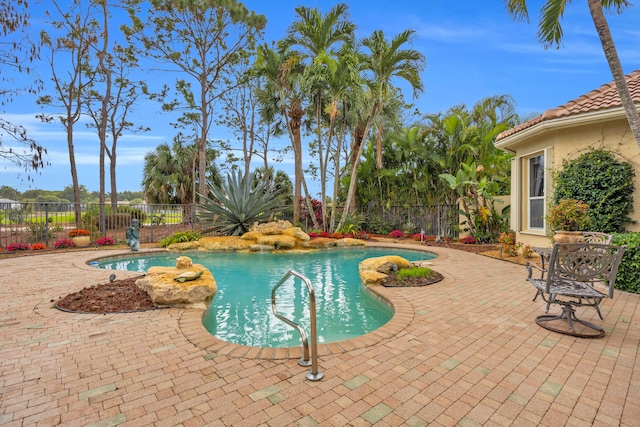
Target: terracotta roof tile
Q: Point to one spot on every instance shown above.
(602, 98)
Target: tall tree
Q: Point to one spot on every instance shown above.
(550, 34)
(201, 39)
(317, 39)
(112, 96)
(76, 31)
(283, 72)
(385, 61)
(17, 53)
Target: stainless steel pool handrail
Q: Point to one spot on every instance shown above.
(314, 374)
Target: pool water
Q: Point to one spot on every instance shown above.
(241, 310)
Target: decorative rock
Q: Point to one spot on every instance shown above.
(297, 233)
(370, 278)
(320, 242)
(183, 262)
(279, 241)
(224, 243)
(387, 267)
(271, 228)
(265, 237)
(373, 271)
(251, 235)
(261, 248)
(183, 246)
(348, 241)
(175, 287)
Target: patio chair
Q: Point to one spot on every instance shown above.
(596, 237)
(578, 274)
(587, 237)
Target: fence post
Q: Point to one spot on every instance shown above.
(46, 224)
(151, 222)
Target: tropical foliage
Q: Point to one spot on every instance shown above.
(170, 173)
(476, 193)
(180, 237)
(321, 85)
(602, 182)
(235, 205)
(568, 215)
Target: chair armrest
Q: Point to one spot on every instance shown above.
(530, 266)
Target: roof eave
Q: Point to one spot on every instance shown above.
(559, 123)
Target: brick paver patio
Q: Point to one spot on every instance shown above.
(465, 351)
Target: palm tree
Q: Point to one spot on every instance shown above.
(550, 34)
(169, 171)
(318, 39)
(282, 70)
(385, 61)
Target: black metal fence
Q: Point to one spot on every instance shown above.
(47, 223)
(437, 220)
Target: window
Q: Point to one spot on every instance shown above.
(536, 192)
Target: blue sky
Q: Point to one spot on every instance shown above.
(473, 50)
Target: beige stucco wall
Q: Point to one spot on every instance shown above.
(566, 143)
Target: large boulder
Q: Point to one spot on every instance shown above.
(278, 241)
(373, 271)
(277, 235)
(185, 285)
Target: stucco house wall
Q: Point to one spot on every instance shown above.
(593, 121)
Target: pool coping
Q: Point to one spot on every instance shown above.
(192, 327)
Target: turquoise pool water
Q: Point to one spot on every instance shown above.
(241, 310)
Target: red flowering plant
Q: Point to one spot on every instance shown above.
(38, 246)
(468, 240)
(78, 232)
(63, 243)
(18, 247)
(363, 235)
(396, 234)
(105, 241)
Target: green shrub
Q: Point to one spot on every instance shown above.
(180, 236)
(628, 278)
(378, 225)
(414, 272)
(604, 184)
(113, 220)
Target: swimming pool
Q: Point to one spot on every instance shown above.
(241, 310)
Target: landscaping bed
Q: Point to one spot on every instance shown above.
(114, 297)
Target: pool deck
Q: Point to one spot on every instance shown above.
(465, 351)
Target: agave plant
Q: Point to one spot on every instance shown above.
(237, 204)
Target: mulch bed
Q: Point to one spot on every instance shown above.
(393, 281)
(119, 296)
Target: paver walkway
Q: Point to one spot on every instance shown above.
(465, 351)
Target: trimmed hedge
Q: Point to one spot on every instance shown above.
(628, 278)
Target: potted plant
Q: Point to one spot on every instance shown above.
(568, 219)
(81, 238)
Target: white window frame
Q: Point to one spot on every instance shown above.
(531, 198)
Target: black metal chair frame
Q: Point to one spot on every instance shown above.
(587, 237)
(578, 274)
